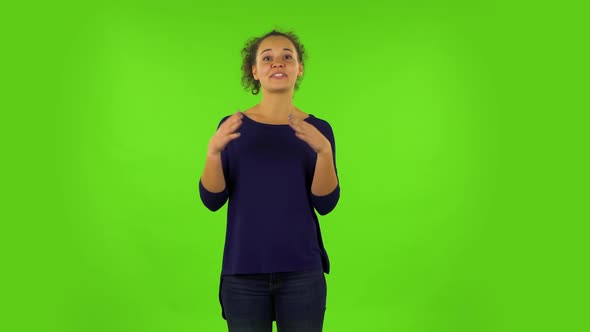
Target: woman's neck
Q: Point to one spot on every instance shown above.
(276, 106)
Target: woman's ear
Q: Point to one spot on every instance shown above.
(300, 70)
(254, 73)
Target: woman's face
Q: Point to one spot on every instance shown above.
(277, 66)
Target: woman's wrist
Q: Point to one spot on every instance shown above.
(213, 154)
(326, 151)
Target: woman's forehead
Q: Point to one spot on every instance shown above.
(276, 43)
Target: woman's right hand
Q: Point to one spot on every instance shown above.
(225, 133)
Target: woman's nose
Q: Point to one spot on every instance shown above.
(278, 64)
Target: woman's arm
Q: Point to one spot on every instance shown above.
(212, 178)
(212, 188)
(212, 185)
(325, 187)
(324, 177)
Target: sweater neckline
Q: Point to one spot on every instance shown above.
(271, 124)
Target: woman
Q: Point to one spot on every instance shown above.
(275, 164)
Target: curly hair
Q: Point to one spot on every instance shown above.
(249, 58)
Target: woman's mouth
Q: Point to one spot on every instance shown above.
(278, 76)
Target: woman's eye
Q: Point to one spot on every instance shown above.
(266, 58)
(288, 57)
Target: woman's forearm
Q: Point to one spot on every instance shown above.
(212, 178)
(324, 177)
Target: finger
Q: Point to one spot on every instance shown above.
(234, 118)
(226, 139)
(295, 125)
(300, 135)
(237, 123)
(299, 124)
(297, 130)
(233, 125)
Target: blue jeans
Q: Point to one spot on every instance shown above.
(295, 300)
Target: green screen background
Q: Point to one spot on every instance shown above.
(461, 153)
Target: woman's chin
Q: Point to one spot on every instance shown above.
(279, 88)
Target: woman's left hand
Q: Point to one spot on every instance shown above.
(310, 135)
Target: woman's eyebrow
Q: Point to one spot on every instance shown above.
(284, 49)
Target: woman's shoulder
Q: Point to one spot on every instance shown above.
(317, 120)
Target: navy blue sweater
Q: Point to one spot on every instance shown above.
(271, 222)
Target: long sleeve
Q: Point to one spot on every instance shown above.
(214, 201)
(326, 203)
